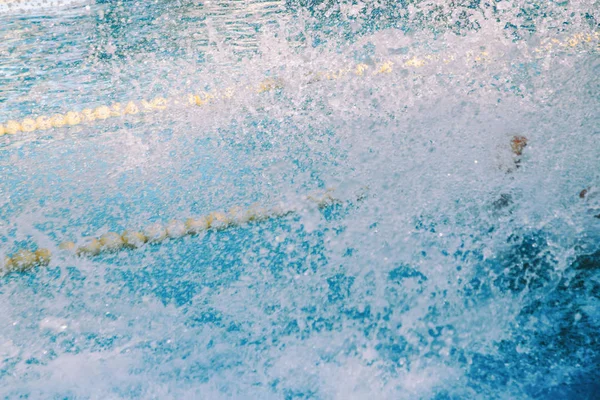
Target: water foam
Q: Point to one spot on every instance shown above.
(430, 288)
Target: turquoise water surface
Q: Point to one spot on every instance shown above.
(443, 271)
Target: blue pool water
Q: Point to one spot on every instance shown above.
(446, 278)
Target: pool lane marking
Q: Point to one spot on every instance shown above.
(160, 103)
(24, 260)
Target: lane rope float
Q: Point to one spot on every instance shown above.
(24, 260)
(120, 109)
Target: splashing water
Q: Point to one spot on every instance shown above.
(458, 275)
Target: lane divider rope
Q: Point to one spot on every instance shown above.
(71, 118)
(24, 260)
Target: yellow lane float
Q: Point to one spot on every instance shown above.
(160, 103)
(109, 242)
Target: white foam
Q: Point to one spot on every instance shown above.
(8, 7)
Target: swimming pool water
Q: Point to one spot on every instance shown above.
(446, 278)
